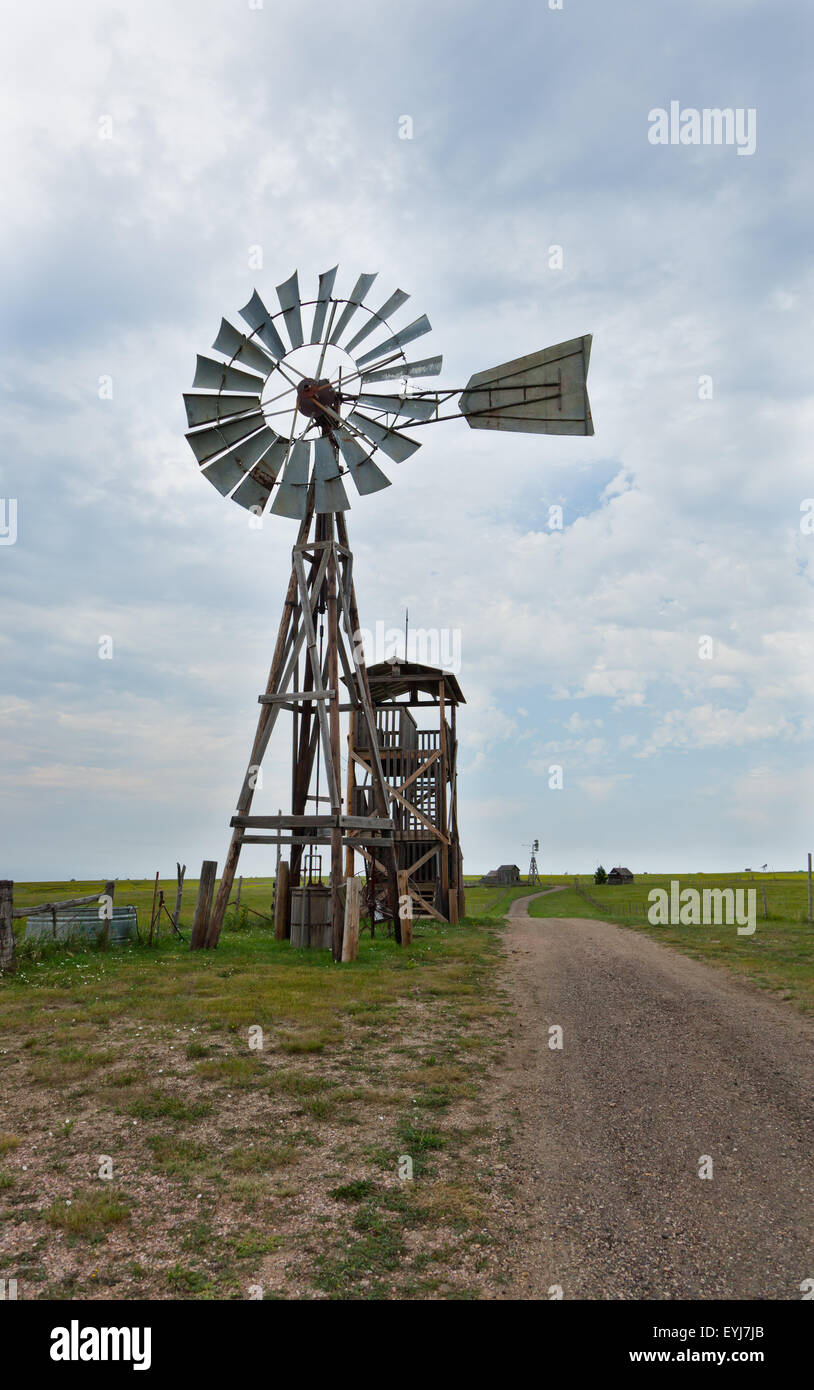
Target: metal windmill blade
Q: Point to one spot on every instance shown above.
(236, 346)
(329, 490)
(430, 366)
(366, 474)
(289, 296)
(414, 407)
(293, 489)
(398, 340)
(356, 298)
(255, 489)
(231, 468)
(387, 310)
(396, 446)
(212, 374)
(326, 284)
(258, 317)
(207, 443)
(203, 408)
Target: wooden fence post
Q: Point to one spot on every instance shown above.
(181, 871)
(810, 900)
(404, 897)
(281, 913)
(152, 914)
(765, 906)
(6, 926)
(350, 935)
(107, 920)
(203, 905)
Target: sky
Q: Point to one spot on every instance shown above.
(164, 159)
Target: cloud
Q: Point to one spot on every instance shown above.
(681, 517)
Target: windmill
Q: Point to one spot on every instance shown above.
(534, 877)
(304, 398)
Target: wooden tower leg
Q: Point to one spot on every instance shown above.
(351, 615)
(264, 725)
(338, 913)
(349, 864)
(308, 740)
(443, 794)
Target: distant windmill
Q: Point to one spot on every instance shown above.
(278, 423)
(535, 849)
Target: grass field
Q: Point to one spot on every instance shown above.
(779, 956)
(149, 1149)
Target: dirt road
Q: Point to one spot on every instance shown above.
(668, 1068)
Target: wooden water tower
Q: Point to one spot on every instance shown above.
(419, 758)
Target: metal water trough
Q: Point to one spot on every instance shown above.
(82, 924)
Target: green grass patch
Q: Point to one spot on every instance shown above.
(262, 1158)
(238, 1071)
(161, 1105)
(248, 1244)
(355, 1191)
(89, 1214)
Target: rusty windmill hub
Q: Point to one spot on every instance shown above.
(319, 400)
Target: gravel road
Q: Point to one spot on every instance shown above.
(664, 1061)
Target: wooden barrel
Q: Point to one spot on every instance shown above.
(311, 915)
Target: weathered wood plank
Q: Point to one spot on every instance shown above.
(200, 921)
(7, 963)
(281, 904)
(291, 695)
(337, 913)
(391, 792)
(107, 913)
(180, 874)
(442, 806)
(321, 838)
(405, 909)
(422, 767)
(428, 907)
(328, 822)
(51, 907)
(350, 934)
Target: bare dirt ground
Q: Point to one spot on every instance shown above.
(665, 1065)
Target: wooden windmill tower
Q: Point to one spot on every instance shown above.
(278, 423)
(420, 766)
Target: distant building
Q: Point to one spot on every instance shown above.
(620, 875)
(505, 875)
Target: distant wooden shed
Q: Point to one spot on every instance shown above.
(505, 875)
(620, 875)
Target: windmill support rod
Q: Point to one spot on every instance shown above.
(313, 655)
(308, 753)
